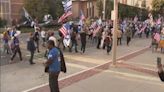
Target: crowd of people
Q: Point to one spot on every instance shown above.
(97, 32)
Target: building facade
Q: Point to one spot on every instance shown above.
(11, 9)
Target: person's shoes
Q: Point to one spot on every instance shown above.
(11, 61)
(32, 63)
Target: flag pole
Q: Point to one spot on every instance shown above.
(115, 32)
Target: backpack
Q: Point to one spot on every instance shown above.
(62, 61)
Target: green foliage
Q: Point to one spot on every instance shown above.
(37, 8)
(99, 4)
(158, 7)
(125, 11)
(2, 23)
(56, 8)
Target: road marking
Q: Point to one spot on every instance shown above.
(85, 59)
(69, 76)
(72, 75)
(142, 64)
(135, 76)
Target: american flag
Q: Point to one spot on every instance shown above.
(64, 30)
(94, 25)
(159, 21)
(142, 29)
(135, 19)
(82, 17)
(96, 31)
(64, 16)
(157, 37)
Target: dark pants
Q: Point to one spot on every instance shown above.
(31, 57)
(161, 75)
(44, 41)
(53, 82)
(17, 50)
(119, 41)
(37, 45)
(74, 43)
(109, 47)
(99, 42)
(128, 40)
(83, 45)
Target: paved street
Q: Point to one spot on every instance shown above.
(88, 72)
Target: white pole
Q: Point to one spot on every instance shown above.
(114, 47)
(104, 6)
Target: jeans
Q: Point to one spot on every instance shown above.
(53, 82)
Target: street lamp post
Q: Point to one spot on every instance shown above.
(115, 32)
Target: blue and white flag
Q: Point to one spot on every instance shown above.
(67, 5)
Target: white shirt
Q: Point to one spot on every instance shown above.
(53, 39)
(43, 34)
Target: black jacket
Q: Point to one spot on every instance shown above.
(31, 45)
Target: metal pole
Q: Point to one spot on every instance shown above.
(114, 47)
(104, 6)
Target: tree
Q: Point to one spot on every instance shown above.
(56, 8)
(100, 7)
(143, 3)
(37, 8)
(158, 6)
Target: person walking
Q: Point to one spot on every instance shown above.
(108, 42)
(99, 36)
(16, 48)
(74, 41)
(119, 37)
(128, 35)
(43, 36)
(36, 38)
(53, 65)
(83, 40)
(31, 48)
(6, 39)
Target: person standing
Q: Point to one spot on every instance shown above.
(43, 36)
(108, 42)
(128, 35)
(99, 36)
(16, 48)
(54, 66)
(83, 40)
(31, 48)
(119, 36)
(74, 41)
(36, 38)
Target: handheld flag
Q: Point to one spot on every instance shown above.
(64, 29)
(27, 15)
(64, 16)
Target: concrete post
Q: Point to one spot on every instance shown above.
(104, 6)
(114, 47)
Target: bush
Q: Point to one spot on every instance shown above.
(3, 23)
